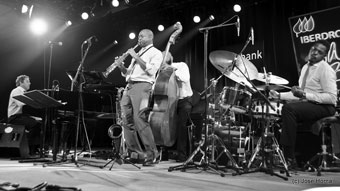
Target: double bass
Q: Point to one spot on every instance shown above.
(162, 117)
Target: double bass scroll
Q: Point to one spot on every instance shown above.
(162, 117)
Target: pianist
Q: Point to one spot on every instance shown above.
(17, 117)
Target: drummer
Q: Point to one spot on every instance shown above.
(314, 98)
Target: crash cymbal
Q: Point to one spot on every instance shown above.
(272, 79)
(223, 61)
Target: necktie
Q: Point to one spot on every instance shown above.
(134, 65)
(304, 79)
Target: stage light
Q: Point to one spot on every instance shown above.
(38, 26)
(68, 23)
(211, 17)
(115, 3)
(24, 9)
(160, 28)
(132, 35)
(197, 19)
(84, 15)
(237, 8)
(30, 11)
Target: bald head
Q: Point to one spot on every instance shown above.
(145, 37)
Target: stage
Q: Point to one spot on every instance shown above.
(88, 176)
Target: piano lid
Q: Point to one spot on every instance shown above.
(91, 77)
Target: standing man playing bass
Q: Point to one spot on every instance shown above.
(140, 76)
(184, 106)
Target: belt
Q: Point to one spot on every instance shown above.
(137, 82)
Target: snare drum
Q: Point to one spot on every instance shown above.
(235, 99)
(260, 110)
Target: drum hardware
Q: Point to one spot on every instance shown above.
(205, 162)
(116, 133)
(267, 145)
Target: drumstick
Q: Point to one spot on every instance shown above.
(284, 86)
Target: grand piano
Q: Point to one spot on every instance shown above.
(93, 108)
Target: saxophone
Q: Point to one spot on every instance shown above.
(117, 61)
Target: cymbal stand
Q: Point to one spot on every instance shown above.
(266, 146)
(205, 164)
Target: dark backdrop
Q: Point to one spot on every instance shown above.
(23, 53)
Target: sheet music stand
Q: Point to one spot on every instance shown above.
(39, 100)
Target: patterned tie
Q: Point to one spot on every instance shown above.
(304, 79)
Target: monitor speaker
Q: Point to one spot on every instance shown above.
(13, 141)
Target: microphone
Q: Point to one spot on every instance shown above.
(252, 35)
(55, 43)
(238, 26)
(55, 85)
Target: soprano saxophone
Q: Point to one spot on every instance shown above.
(117, 61)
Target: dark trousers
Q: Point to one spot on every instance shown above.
(184, 107)
(299, 113)
(32, 126)
(137, 131)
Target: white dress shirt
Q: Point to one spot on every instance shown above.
(183, 78)
(153, 59)
(15, 106)
(320, 84)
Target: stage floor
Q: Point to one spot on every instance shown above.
(89, 177)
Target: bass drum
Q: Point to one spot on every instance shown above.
(260, 109)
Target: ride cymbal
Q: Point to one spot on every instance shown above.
(223, 61)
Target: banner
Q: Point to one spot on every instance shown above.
(308, 28)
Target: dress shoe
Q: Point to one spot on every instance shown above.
(151, 161)
(292, 164)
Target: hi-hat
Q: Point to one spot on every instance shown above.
(223, 61)
(271, 79)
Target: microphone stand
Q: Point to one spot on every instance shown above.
(47, 119)
(205, 163)
(265, 135)
(80, 115)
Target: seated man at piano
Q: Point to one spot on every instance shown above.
(17, 117)
(140, 77)
(184, 106)
(313, 99)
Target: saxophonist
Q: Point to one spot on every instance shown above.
(140, 77)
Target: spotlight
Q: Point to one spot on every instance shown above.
(160, 28)
(68, 23)
(197, 19)
(132, 36)
(38, 26)
(84, 15)
(115, 3)
(237, 8)
(211, 17)
(30, 11)
(24, 9)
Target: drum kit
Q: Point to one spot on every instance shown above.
(245, 98)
